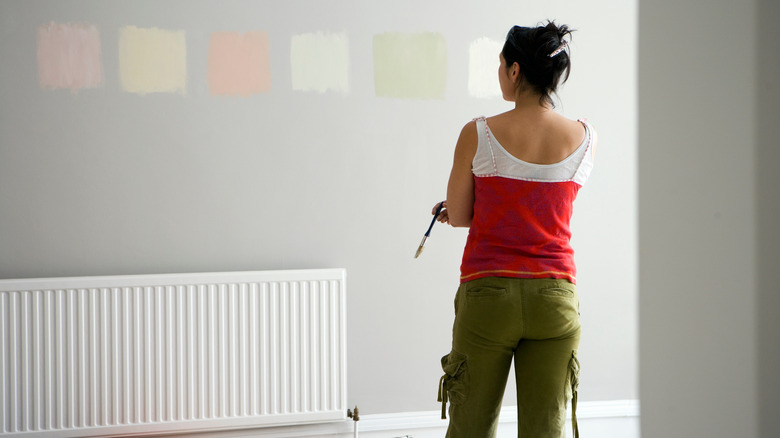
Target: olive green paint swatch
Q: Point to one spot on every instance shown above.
(410, 65)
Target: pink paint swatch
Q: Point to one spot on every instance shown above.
(69, 56)
(238, 64)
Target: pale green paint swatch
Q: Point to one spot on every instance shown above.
(411, 66)
(483, 68)
(320, 62)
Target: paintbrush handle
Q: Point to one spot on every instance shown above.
(433, 221)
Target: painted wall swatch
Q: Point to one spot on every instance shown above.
(69, 56)
(152, 60)
(320, 62)
(483, 68)
(238, 64)
(410, 65)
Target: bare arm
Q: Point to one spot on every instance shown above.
(460, 189)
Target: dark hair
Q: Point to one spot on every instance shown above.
(530, 48)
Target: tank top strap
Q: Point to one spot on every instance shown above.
(586, 163)
(484, 162)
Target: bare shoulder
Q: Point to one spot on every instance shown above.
(469, 128)
(506, 118)
(466, 147)
(566, 124)
(569, 132)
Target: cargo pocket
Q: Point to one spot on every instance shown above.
(572, 384)
(452, 385)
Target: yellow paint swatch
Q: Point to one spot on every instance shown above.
(410, 65)
(152, 60)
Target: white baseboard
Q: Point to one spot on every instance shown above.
(603, 419)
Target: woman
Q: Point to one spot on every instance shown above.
(513, 181)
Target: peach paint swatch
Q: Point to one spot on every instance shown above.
(320, 62)
(238, 64)
(69, 56)
(410, 65)
(152, 60)
(483, 68)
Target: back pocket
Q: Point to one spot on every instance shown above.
(485, 292)
(558, 288)
(556, 292)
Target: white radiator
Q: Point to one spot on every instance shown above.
(171, 353)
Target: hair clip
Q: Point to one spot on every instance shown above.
(559, 49)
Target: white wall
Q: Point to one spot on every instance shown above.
(708, 218)
(105, 182)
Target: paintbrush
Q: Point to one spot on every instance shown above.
(428, 233)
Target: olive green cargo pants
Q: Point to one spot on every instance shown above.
(534, 322)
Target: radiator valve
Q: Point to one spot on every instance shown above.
(355, 416)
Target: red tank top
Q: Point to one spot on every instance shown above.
(522, 212)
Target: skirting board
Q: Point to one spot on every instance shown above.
(614, 418)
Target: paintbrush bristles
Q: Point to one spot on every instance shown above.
(421, 247)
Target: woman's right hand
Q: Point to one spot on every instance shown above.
(444, 216)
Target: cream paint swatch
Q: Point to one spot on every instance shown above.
(239, 64)
(152, 60)
(69, 56)
(410, 65)
(320, 62)
(483, 68)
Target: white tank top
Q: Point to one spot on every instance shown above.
(492, 159)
